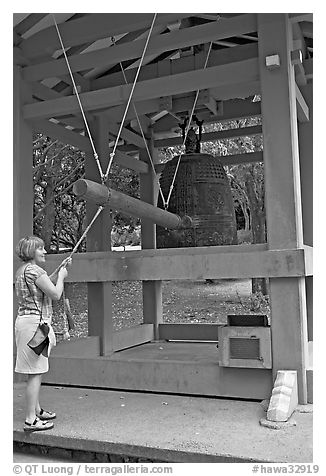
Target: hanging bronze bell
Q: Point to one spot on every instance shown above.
(202, 191)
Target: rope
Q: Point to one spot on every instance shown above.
(129, 99)
(100, 208)
(141, 130)
(79, 101)
(166, 203)
(103, 177)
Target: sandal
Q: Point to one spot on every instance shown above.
(46, 415)
(38, 425)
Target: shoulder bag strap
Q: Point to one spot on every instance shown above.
(40, 311)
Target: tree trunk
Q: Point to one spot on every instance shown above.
(259, 285)
(49, 215)
(245, 214)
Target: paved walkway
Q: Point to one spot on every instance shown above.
(166, 428)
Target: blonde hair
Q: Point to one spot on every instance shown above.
(26, 247)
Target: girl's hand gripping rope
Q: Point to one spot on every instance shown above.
(66, 262)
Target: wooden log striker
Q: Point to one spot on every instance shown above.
(102, 195)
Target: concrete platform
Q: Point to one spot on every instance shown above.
(165, 428)
(174, 367)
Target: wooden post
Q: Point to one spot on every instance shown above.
(22, 168)
(22, 161)
(152, 290)
(100, 321)
(283, 197)
(306, 172)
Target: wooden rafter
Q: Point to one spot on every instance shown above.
(223, 76)
(299, 17)
(212, 136)
(147, 72)
(307, 29)
(234, 159)
(231, 110)
(28, 22)
(181, 65)
(174, 40)
(126, 134)
(302, 108)
(91, 28)
(83, 143)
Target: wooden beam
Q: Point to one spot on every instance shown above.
(307, 29)
(43, 92)
(299, 17)
(299, 42)
(99, 294)
(232, 110)
(236, 159)
(82, 84)
(308, 67)
(283, 195)
(183, 64)
(91, 28)
(145, 123)
(22, 162)
(249, 158)
(126, 134)
(224, 76)
(81, 142)
(62, 134)
(212, 105)
(307, 187)
(28, 22)
(148, 191)
(302, 107)
(207, 332)
(231, 90)
(215, 262)
(18, 58)
(136, 335)
(300, 76)
(131, 163)
(16, 39)
(77, 122)
(180, 65)
(159, 44)
(213, 136)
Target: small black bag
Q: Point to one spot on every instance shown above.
(39, 343)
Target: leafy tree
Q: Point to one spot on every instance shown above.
(58, 215)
